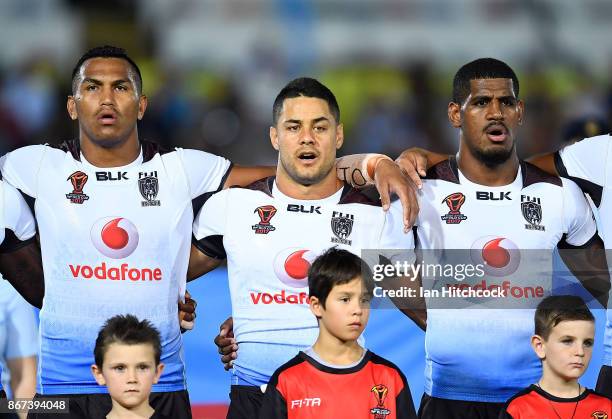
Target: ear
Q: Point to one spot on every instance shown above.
(142, 106)
(539, 346)
(274, 137)
(521, 111)
(97, 373)
(158, 372)
(339, 136)
(315, 307)
(454, 114)
(71, 107)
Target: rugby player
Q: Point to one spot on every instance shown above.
(114, 215)
(587, 163)
(487, 198)
(19, 262)
(271, 231)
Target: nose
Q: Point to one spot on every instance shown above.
(494, 110)
(307, 137)
(132, 376)
(107, 97)
(580, 349)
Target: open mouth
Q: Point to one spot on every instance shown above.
(307, 156)
(107, 117)
(497, 133)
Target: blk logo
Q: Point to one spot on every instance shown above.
(109, 176)
(306, 209)
(291, 266)
(493, 196)
(114, 237)
(499, 255)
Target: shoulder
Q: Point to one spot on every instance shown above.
(518, 399)
(365, 196)
(532, 175)
(385, 363)
(289, 369)
(262, 185)
(446, 170)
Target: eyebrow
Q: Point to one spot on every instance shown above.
(298, 121)
(99, 83)
(476, 98)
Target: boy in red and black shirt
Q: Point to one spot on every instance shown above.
(336, 377)
(563, 340)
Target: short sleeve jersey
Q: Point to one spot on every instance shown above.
(18, 336)
(588, 164)
(113, 241)
(533, 402)
(535, 211)
(306, 389)
(270, 240)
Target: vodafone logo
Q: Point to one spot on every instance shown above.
(500, 256)
(291, 266)
(114, 237)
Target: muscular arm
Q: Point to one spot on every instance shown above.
(23, 376)
(243, 176)
(588, 263)
(23, 269)
(200, 264)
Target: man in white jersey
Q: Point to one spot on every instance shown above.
(491, 203)
(114, 215)
(272, 230)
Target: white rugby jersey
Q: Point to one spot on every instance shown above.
(587, 163)
(113, 241)
(484, 354)
(270, 240)
(18, 230)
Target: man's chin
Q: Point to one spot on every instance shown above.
(494, 156)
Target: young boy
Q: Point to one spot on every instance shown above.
(336, 377)
(563, 340)
(127, 355)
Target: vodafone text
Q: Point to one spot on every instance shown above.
(282, 297)
(120, 273)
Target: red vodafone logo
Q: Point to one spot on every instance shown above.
(500, 256)
(291, 266)
(114, 237)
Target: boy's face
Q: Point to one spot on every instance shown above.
(346, 311)
(128, 372)
(568, 349)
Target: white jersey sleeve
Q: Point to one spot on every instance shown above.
(205, 172)
(393, 236)
(577, 215)
(586, 159)
(210, 225)
(21, 168)
(20, 328)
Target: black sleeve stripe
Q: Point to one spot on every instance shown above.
(405, 405)
(563, 244)
(225, 176)
(594, 190)
(12, 243)
(211, 246)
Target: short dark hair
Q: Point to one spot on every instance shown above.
(128, 330)
(106, 51)
(307, 87)
(336, 267)
(482, 68)
(558, 308)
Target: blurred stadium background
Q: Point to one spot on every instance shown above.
(211, 70)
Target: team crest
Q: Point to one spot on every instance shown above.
(599, 415)
(380, 394)
(454, 202)
(342, 226)
(78, 181)
(148, 185)
(532, 212)
(265, 213)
